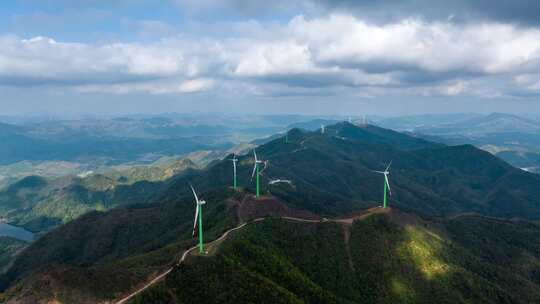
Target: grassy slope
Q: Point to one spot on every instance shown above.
(395, 259)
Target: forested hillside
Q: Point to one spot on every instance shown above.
(427, 246)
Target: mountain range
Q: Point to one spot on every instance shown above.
(457, 215)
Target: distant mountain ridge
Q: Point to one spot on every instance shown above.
(513, 138)
(493, 123)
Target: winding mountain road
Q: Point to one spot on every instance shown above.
(158, 278)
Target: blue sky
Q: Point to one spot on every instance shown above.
(248, 56)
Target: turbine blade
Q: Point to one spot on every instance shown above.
(265, 166)
(390, 164)
(195, 220)
(255, 155)
(387, 184)
(378, 171)
(254, 171)
(194, 194)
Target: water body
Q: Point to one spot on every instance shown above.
(15, 232)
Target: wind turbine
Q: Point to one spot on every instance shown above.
(286, 137)
(257, 171)
(322, 129)
(198, 217)
(234, 161)
(386, 172)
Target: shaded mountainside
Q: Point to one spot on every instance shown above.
(393, 258)
(103, 255)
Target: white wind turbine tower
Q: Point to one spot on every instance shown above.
(198, 219)
(322, 129)
(234, 161)
(257, 171)
(386, 172)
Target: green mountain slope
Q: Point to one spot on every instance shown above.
(101, 247)
(332, 177)
(395, 258)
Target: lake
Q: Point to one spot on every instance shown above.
(15, 232)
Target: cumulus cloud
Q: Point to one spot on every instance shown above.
(338, 50)
(413, 44)
(44, 59)
(196, 85)
(523, 12)
(121, 66)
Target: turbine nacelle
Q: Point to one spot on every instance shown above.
(198, 206)
(256, 162)
(386, 172)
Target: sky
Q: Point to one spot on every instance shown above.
(339, 57)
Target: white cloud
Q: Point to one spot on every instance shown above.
(151, 87)
(333, 51)
(196, 85)
(45, 60)
(454, 89)
(431, 47)
(529, 82)
(281, 57)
